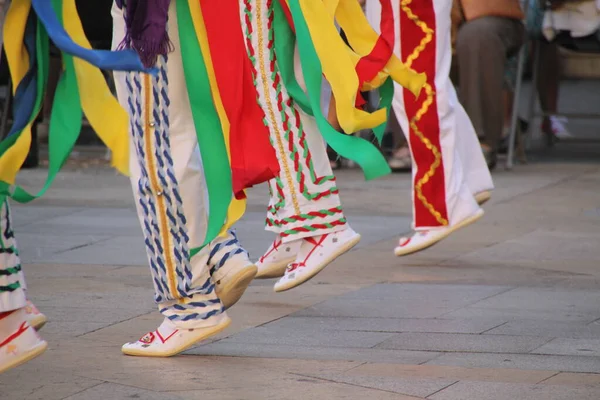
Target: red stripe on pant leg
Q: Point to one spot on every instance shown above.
(434, 190)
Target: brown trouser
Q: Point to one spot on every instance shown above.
(482, 48)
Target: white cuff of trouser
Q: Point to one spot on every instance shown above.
(10, 301)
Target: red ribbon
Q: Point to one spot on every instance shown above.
(253, 159)
(369, 65)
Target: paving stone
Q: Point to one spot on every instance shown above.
(23, 216)
(512, 391)
(402, 301)
(571, 347)
(462, 343)
(408, 386)
(92, 221)
(559, 329)
(520, 361)
(37, 247)
(309, 353)
(452, 373)
(540, 246)
(113, 391)
(569, 378)
(558, 300)
(116, 250)
(447, 295)
(386, 324)
(48, 384)
(523, 313)
(304, 337)
(293, 387)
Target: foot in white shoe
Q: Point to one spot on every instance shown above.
(483, 197)
(231, 286)
(35, 318)
(231, 269)
(424, 239)
(279, 255)
(168, 340)
(19, 342)
(315, 254)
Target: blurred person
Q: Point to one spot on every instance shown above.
(450, 176)
(487, 34)
(547, 83)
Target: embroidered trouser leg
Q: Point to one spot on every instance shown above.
(441, 193)
(168, 184)
(12, 281)
(304, 198)
(476, 172)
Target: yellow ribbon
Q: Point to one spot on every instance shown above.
(18, 61)
(237, 208)
(338, 68)
(362, 37)
(109, 120)
(339, 62)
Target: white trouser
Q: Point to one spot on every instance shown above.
(448, 164)
(304, 197)
(12, 281)
(168, 183)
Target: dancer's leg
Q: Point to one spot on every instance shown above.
(304, 209)
(442, 198)
(477, 174)
(19, 341)
(168, 184)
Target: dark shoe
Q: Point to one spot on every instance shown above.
(491, 157)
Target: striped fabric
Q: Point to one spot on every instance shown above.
(304, 198)
(12, 282)
(183, 297)
(223, 249)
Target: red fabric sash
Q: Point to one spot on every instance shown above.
(253, 159)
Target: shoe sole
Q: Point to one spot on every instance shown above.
(329, 260)
(30, 355)
(232, 291)
(205, 334)
(38, 322)
(404, 251)
(483, 197)
(274, 271)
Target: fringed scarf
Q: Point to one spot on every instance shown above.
(146, 28)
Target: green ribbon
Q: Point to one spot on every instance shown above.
(66, 117)
(285, 43)
(209, 131)
(354, 148)
(42, 52)
(386, 95)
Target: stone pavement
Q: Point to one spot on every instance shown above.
(506, 309)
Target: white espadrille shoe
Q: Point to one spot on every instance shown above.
(276, 259)
(232, 280)
(483, 197)
(22, 343)
(315, 254)
(35, 318)
(422, 240)
(230, 268)
(168, 340)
